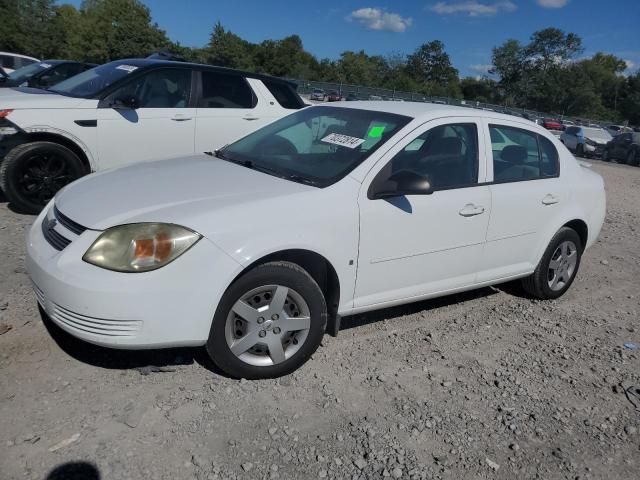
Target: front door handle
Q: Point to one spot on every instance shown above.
(550, 199)
(251, 117)
(179, 117)
(471, 210)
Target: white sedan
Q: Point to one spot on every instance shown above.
(258, 249)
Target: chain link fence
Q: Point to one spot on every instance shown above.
(360, 92)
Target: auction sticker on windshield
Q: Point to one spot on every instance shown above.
(343, 140)
(127, 68)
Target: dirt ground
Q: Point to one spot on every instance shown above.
(487, 384)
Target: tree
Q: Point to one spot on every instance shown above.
(431, 63)
(508, 61)
(114, 29)
(229, 50)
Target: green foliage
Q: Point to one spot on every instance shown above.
(543, 74)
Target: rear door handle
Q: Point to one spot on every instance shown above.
(179, 117)
(471, 210)
(550, 199)
(251, 117)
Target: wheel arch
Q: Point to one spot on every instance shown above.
(320, 269)
(72, 144)
(581, 228)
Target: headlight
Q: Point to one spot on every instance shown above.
(140, 247)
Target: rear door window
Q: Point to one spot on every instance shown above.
(223, 90)
(523, 155)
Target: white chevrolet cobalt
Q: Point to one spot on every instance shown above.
(258, 249)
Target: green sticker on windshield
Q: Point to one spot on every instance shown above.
(376, 132)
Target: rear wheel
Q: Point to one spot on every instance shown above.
(32, 173)
(632, 158)
(605, 155)
(268, 323)
(558, 266)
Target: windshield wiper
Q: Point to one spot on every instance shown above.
(261, 168)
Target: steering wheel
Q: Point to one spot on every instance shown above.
(277, 145)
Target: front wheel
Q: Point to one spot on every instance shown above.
(558, 266)
(32, 173)
(632, 158)
(268, 323)
(605, 155)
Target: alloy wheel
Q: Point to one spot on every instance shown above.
(562, 266)
(267, 325)
(41, 175)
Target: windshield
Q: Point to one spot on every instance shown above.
(91, 82)
(23, 74)
(597, 133)
(318, 145)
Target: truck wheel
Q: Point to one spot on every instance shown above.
(32, 173)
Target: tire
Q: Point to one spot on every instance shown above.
(632, 158)
(539, 284)
(256, 332)
(605, 155)
(32, 173)
(580, 150)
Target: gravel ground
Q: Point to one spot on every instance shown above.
(487, 384)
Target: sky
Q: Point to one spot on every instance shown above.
(468, 28)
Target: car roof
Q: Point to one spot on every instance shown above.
(422, 111)
(19, 55)
(153, 62)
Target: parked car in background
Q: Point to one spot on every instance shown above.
(44, 74)
(552, 124)
(318, 94)
(617, 129)
(351, 96)
(199, 250)
(624, 147)
(123, 112)
(585, 141)
(13, 61)
(334, 96)
(567, 123)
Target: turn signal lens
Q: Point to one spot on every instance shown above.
(140, 247)
(5, 113)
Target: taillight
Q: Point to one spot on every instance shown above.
(5, 113)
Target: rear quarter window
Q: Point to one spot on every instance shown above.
(284, 93)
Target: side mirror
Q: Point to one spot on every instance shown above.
(400, 183)
(125, 103)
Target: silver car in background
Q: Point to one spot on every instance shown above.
(585, 141)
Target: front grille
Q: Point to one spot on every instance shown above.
(95, 326)
(56, 240)
(67, 222)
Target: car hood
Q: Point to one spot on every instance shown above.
(599, 141)
(23, 98)
(196, 192)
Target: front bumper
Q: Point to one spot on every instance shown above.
(594, 150)
(171, 306)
